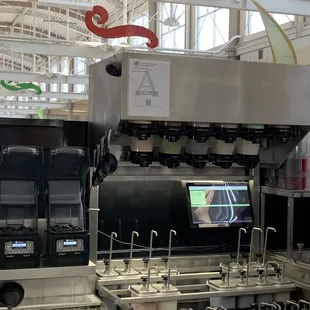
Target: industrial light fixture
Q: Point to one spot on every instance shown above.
(172, 21)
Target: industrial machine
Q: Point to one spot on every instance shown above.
(193, 217)
(66, 170)
(180, 221)
(21, 176)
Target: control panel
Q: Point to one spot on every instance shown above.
(69, 245)
(19, 247)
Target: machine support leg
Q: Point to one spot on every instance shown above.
(93, 223)
(290, 227)
(262, 219)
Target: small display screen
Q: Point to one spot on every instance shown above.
(220, 204)
(70, 242)
(19, 244)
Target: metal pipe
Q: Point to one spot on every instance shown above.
(305, 302)
(210, 294)
(275, 303)
(133, 234)
(239, 243)
(267, 304)
(266, 268)
(228, 273)
(251, 244)
(172, 232)
(300, 247)
(105, 292)
(153, 232)
(113, 234)
(247, 274)
(266, 239)
(284, 264)
(288, 302)
(94, 161)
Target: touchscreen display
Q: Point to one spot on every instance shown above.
(220, 204)
(19, 244)
(69, 242)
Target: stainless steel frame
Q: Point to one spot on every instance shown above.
(194, 271)
(56, 288)
(291, 196)
(203, 90)
(208, 90)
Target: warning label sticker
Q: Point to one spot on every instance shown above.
(149, 84)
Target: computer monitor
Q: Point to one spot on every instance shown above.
(219, 204)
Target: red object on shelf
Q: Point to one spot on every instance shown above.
(119, 31)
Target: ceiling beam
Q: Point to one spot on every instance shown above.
(291, 7)
(50, 47)
(24, 4)
(35, 104)
(27, 62)
(42, 13)
(18, 111)
(73, 5)
(27, 30)
(50, 95)
(43, 78)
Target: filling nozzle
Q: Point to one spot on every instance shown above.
(284, 265)
(153, 232)
(304, 302)
(239, 243)
(228, 274)
(247, 274)
(113, 235)
(265, 243)
(267, 304)
(251, 244)
(270, 263)
(277, 305)
(300, 247)
(172, 232)
(133, 234)
(293, 303)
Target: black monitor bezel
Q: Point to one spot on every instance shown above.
(207, 183)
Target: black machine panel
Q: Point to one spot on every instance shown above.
(44, 133)
(276, 216)
(219, 204)
(20, 244)
(161, 205)
(20, 176)
(66, 170)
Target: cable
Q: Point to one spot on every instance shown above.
(211, 247)
(124, 243)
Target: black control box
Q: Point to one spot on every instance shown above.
(68, 249)
(20, 251)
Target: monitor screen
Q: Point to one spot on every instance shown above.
(219, 204)
(68, 242)
(19, 244)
